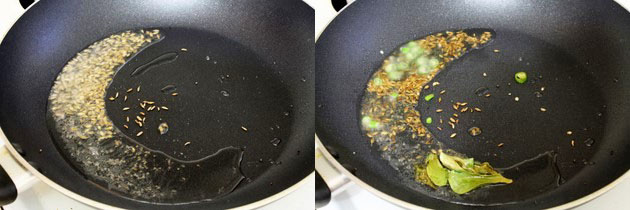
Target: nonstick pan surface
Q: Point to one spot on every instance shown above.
(574, 49)
(246, 64)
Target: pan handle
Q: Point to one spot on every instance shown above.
(26, 3)
(328, 180)
(322, 192)
(8, 192)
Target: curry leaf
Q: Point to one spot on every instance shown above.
(423, 177)
(437, 174)
(450, 162)
(462, 181)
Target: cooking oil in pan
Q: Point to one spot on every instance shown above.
(530, 178)
(104, 154)
(403, 130)
(388, 111)
(162, 59)
(168, 89)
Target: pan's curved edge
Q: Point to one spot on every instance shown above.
(342, 169)
(359, 182)
(589, 197)
(100, 205)
(404, 204)
(22, 162)
(17, 157)
(279, 195)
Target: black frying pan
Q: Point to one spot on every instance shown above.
(258, 52)
(575, 49)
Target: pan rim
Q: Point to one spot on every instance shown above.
(404, 204)
(93, 203)
(90, 202)
(391, 199)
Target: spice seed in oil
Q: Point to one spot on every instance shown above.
(453, 135)
(139, 133)
(125, 108)
(163, 128)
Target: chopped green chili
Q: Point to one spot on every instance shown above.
(429, 97)
(366, 120)
(429, 120)
(520, 77)
(373, 124)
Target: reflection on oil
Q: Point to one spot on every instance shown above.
(78, 121)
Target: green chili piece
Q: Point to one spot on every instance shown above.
(520, 77)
